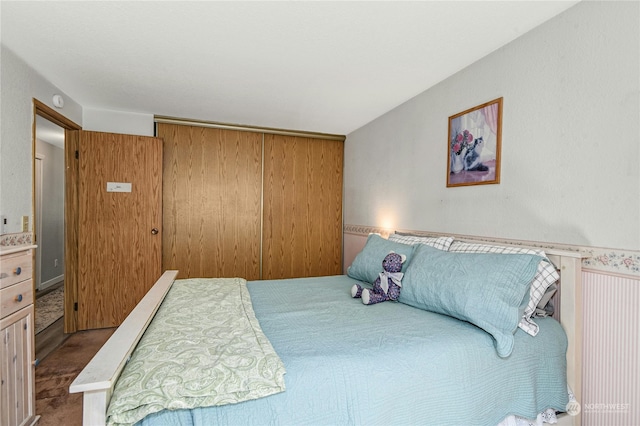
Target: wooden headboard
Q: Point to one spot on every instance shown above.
(569, 265)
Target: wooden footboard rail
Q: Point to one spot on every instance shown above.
(98, 378)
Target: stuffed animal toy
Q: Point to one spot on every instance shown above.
(388, 284)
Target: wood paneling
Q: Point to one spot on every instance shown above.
(212, 197)
(119, 257)
(302, 234)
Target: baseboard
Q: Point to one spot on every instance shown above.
(51, 282)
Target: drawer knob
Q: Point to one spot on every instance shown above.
(17, 271)
(19, 298)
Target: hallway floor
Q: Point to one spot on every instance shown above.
(49, 306)
(54, 404)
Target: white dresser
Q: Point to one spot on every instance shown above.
(17, 369)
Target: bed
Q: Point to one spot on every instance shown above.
(338, 361)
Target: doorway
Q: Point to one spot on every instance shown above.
(49, 201)
(49, 232)
(49, 204)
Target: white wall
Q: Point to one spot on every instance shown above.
(570, 141)
(19, 84)
(51, 238)
(101, 120)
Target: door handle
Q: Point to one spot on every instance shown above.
(154, 231)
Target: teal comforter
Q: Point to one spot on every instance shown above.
(387, 364)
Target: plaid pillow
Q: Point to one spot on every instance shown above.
(441, 243)
(545, 276)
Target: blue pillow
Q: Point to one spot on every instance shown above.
(488, 290)
(368, 263)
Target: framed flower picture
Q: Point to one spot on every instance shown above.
(475, 137)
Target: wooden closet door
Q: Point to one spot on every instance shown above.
(212, 181)
(302, 234)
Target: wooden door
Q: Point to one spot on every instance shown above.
(119, 224)
(302, 235)
(212, 192)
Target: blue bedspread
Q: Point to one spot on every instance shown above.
(387, 364)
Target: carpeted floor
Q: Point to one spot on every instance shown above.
(49, 307)
(54, 403)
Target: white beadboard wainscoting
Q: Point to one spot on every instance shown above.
(611, 351)
(611, 324)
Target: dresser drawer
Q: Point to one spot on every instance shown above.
(15, 267)
(16, 297)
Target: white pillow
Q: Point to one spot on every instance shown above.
(441, 243)
(545, 276)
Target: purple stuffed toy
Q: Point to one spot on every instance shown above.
(388, 284)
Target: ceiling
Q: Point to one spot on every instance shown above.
(317, 66)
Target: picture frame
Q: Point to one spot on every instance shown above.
(474, 145)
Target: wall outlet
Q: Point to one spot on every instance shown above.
(3, 224)
(55, 263)
(25, 223)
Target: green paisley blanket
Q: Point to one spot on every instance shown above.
(204, 347)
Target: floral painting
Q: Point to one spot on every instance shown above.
(474, 145)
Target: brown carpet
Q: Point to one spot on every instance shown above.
(56, 372)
